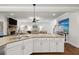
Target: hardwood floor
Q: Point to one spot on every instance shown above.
(69, 50)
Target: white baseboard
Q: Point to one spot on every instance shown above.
(73, 44)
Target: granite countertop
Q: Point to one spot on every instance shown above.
(13, 38)
(45, 36)
(9, 39)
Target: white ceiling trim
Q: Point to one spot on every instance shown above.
(38, 9)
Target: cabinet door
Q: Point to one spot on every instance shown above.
(17, 50)
(37, 42)
(45, 44)
(59, 44)
(28, 46)
(52, 45)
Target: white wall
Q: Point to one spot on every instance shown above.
(42, 22)
(4, 20)
(73, 27)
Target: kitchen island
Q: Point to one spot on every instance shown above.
(33, 43)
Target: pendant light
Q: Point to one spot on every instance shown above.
(34, 19)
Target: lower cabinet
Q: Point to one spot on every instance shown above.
(37, 44)
(29, 46)
(48, 45)
(56, 44)
(14, 51)
(14, 48)
(41, 45)
(22, 48)
(45, 45)
(52, 45)
(59, 44)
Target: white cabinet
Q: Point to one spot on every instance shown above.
(10, 45)
(45, 44)
(41, 45)
(56, 44)
(52, 44)
(15, 51)
(59, 44)
(37, 44)
(24, 47)
(48, 44)
(14, 48)
(31, 45)
(28, 46)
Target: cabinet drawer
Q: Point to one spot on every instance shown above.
(14, 44)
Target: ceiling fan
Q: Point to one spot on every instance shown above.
(34, 19)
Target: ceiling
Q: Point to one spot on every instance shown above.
(42, 10)
(46, 15)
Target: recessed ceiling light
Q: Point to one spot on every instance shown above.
(53, 14)
(11, 14)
